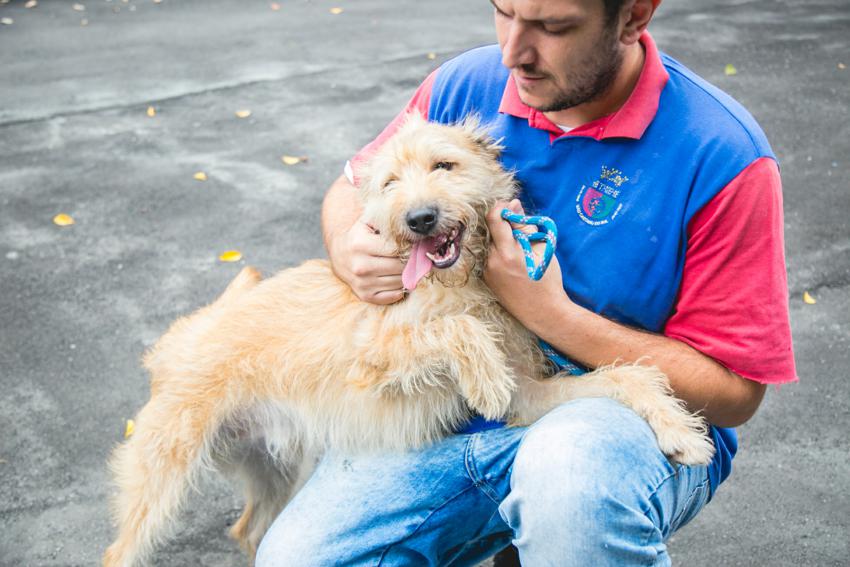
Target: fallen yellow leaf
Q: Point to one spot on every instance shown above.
(230, 256)
(432, 56)
(243, 113)
(200, 176)
(151, 111)
(129, 429)
(807, 298)
(336, 11)
(292, 160)
(731, 70)
(63, 220)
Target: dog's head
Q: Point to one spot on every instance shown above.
(428, 189)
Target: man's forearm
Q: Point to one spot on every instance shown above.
(725, 399)
(340, 209)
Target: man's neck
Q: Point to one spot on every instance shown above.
(616, 97)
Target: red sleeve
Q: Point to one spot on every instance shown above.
(733, 303)
(420, 102)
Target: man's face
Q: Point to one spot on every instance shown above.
(561, 53)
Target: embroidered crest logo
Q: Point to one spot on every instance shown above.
(598, 204)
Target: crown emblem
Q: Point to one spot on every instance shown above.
(613, 175)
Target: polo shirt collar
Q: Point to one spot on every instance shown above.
(630, 121)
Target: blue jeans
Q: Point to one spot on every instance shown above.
(585, 485)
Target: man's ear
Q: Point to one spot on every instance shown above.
(636, 15)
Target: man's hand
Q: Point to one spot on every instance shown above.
(368, 264)
(506, 275)
(359, 256)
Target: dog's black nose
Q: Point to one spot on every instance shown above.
(422, 221)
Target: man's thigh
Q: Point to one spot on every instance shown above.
(440, 505)
(421, 507)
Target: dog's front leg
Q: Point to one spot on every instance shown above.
(480, 365)
(681, 435)
(461, 348)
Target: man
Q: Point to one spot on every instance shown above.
(668, 201)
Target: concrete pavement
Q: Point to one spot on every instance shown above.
(79, 304)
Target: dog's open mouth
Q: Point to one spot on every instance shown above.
(440, 251)
(444, 249)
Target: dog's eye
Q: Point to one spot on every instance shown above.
(447, 165)
(389, 182)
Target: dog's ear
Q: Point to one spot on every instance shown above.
(480, 134)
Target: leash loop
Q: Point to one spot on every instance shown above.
(547, 232)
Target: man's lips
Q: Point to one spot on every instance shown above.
(523, 79)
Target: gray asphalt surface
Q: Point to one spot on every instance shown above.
(79, 304)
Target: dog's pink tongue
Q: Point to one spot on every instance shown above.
(417, 266)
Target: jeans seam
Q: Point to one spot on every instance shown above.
(422, 523)
(651, 530)
(477, 479)
(675, 472)
(688, 500)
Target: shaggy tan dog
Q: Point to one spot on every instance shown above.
(296, 364)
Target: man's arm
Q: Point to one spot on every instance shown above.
(359, 256)
(726, 399)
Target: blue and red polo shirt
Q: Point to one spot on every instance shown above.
(669, 210)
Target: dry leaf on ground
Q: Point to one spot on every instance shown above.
(292, 160)
(230, 256)
(807, 298)
(200, 176)
(63, 220)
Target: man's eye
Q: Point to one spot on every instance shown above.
(556, 30)
(447, 165)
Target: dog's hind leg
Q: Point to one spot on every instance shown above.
(153, 470)
(682, 435)
(269, 484)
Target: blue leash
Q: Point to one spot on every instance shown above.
(548, 233)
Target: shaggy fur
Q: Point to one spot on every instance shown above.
(277, 369)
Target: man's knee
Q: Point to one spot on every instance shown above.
(585, 449)
(280, 544)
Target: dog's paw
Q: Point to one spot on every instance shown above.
(687, 444)
(493, 400)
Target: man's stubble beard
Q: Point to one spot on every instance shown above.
(594, 80)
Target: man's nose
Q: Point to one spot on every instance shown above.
(518, 49)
